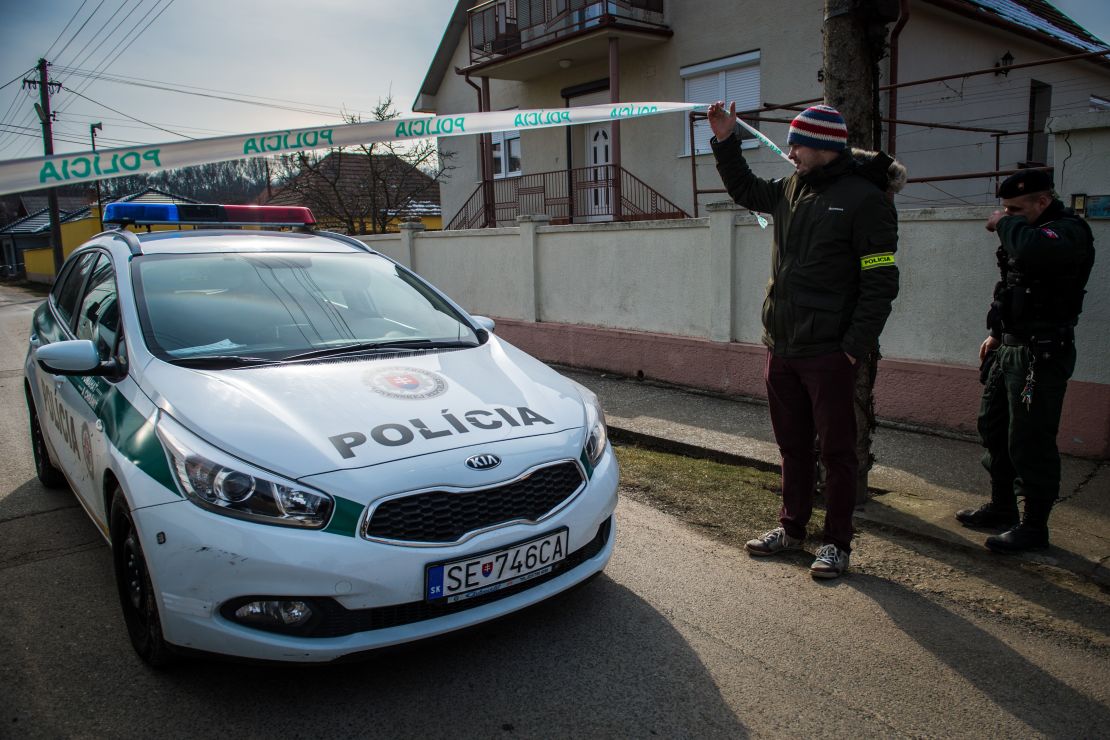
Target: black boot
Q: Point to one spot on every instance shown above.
(989, 516)
(1031, 534)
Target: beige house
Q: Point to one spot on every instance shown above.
(505, 54)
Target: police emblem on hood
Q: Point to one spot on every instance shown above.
(407, 383)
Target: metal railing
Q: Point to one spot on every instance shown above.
(567, 196)
(503, 27)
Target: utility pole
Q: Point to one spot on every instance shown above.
(854, 42)
(43, 109)
(93, 128)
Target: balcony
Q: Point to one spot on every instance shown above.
(581, 195)
(523, 39)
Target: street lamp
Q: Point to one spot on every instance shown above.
(93, 128)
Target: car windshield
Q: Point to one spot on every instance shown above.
(277, 306)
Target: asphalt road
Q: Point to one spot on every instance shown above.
(682, 637)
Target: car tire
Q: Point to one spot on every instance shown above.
(136, 592)
(48, 475)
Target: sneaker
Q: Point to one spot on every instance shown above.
(988, 516)
(831, 562)
(773, 542)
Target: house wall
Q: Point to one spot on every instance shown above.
(654, 298)
(789, 41)
(39, 262)
(934, 45)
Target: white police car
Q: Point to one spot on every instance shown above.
(298, 449)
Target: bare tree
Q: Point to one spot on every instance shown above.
(362, 189)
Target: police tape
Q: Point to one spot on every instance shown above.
(35, 173)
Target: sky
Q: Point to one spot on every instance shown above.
(324, 55)
(317, 58)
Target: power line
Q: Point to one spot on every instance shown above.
(95, 36)
(167, 88)
(130, 35)
(76, 13)
(114, 110)
(79, 30)
(187, 89)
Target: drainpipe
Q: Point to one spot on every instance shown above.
(570, 173)
(892, 113)
(615, 126)
(485, 147)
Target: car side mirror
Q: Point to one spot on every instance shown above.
(485, 322)
(73, 357)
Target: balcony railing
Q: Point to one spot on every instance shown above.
(503, 27)
(578, 195)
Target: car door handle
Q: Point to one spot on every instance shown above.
(58, 380)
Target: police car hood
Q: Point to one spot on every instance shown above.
(307, 418)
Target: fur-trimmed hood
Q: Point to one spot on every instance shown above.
(888, 174)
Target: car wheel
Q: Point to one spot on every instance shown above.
(136, 593)
(47, 474)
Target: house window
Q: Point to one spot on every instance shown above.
(1040, 105)
(506, 153)
(1100, 103)
(734, 78)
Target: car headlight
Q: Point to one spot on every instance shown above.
(597, 436)
(214, 480)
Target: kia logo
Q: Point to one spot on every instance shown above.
(483, 462)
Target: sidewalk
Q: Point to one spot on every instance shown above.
(918, 483)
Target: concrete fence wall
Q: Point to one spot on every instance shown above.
(680, 301)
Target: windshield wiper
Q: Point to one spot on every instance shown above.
(217, 362)
(389, 345)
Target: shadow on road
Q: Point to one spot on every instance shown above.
(596, 662)
(1035, 697)
(1005, 571)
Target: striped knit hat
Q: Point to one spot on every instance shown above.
(819, 127)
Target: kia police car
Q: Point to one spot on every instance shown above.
(297, 448)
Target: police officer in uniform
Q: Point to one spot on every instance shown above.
(1045, 257)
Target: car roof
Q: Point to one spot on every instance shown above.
(215, 241)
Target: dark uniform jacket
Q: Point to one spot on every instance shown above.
(1045, 267)
(833, 276)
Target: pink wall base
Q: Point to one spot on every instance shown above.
(927, 394)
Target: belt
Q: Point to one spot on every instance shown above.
(1063, 335)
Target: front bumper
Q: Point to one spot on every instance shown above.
(371, 593)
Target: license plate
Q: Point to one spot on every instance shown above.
(478, 575)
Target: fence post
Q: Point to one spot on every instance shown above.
(409, 230)
(529, 242)
(722, 259)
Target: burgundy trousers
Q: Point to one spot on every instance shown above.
(808, 395)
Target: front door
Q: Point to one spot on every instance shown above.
(596, 201)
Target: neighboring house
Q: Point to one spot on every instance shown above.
(26, 247)
(345, 190)
(505, 54)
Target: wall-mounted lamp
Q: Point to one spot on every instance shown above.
(1002, 66)
(565, 63)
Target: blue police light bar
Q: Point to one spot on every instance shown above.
(207, 214)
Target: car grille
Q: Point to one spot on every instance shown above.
(447, 516)
(338, 620)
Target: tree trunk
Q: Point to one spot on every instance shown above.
(854, 42)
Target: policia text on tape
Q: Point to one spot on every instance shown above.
(44, 172)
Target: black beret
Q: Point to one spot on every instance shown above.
(1024, 183)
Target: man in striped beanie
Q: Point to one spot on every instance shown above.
(833, 280)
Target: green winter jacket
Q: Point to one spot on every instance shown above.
(833, 276)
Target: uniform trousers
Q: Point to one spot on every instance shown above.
(1020, 440)
(810, 395)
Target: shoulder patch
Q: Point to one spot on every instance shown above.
(1050, 233)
